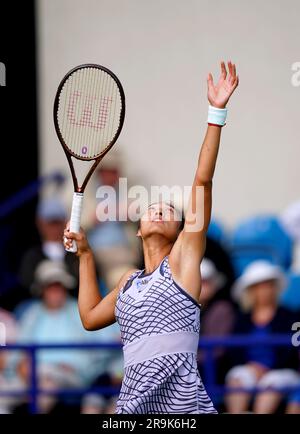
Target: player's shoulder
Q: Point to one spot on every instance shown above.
(126, 276)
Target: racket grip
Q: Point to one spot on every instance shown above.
(75, 218)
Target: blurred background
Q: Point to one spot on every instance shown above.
(162, 52)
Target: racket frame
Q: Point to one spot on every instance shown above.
(79, 190)
(69, 153)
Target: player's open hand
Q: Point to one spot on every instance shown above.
(219, 94)
(80, 238)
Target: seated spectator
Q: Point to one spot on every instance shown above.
(257, 290)
(218, 254)
(93, 403)
(8, 380)
(10, 329)
(53, 319)
(51, 220)
(105, 370)
(114, 241)
(217, 313)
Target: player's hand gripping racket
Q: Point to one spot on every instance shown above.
(89, 112)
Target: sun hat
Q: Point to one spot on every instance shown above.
(48, 272)
(257, 272)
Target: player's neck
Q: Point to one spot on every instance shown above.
(154, 253)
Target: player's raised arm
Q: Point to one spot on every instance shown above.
(189, 248)
(200, 202)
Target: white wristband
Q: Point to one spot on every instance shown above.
(216, 115)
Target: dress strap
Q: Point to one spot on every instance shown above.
(165, 268)
(130, 279)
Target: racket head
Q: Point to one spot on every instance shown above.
(89, 111)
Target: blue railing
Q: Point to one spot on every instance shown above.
(209, 364)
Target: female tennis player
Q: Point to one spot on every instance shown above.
(157, 308)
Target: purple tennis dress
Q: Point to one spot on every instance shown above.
(160, 325)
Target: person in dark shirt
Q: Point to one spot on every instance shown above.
(218, 314)
(259, 365)
(51, 220)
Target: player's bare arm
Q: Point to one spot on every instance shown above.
(95, 312)
(188, 250)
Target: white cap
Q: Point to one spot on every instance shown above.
(51, 209)
(210, 272)
(257, 272)
(48, 272)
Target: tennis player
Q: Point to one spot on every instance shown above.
(157, 308)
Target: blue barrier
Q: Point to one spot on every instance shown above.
(208, 344)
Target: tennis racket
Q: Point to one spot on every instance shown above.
(89, 111)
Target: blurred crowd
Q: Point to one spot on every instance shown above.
(251, 286)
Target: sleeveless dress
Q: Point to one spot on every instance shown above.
(160, 325)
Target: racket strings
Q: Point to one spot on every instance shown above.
(89, 112)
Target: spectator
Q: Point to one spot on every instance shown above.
(51, 219)
(218, 314)
(54, 319)
(92, 403)
(105, 369)
(218, 254)
(95, 404)
(8, 379)
(113, 240)
(10, 327)
(257, 290)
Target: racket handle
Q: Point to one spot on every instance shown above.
(75, 218)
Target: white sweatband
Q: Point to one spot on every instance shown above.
(216, 116)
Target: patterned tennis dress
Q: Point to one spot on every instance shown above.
(160, 325)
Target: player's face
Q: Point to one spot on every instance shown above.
(51, 230)
(160, 218)
(264, 293)
(54, 295)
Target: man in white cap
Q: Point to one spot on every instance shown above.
(263, 366)
(54, 318)
(50, 220)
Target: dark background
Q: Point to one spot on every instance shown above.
(19, 161)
